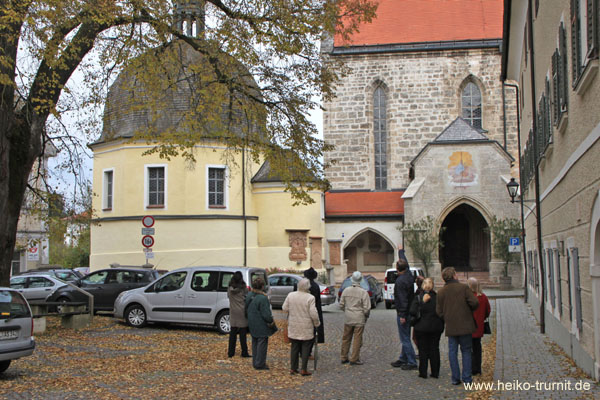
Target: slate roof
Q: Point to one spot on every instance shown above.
(458, 131)
(412, 21)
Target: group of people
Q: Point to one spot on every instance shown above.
(458, 309)
(251, 312)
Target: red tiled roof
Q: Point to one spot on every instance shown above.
(410, 21)
(363, 203)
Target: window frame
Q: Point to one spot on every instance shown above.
(470, 120)
(106, 193)
(225, 205)
(147, 204)
(380, 138)
(584, 42)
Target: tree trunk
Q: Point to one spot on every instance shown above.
(20, 144)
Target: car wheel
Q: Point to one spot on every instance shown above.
(4, 365)
(61, 309)
(135, 316)
(388, 305)
(222, 322)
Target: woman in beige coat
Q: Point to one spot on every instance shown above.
(302, 319)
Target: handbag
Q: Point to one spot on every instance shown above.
(272, 328)
(414, 318)
(286, 338)
(487, 329)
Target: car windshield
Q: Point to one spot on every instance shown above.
(12, 305)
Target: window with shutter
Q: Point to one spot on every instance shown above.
(569, 285)
(563, 82)
(555, 98)
(558, 281)
(575, 41)
(550, 264)
(548, 115)
(577, 287)
(592, 29)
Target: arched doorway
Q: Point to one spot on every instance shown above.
(369, 252)
(466, 240)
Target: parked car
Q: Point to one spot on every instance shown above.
(105, 285)
(283, 284)
(64, 274)
(389, 281)
(191, 295)
(370, 284)
(36, 287)
(16, 327)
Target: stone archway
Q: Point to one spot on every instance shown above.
(466, 240)
(369, 251)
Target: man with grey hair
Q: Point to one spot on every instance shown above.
(356, 304)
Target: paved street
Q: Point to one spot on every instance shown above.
(377, 377)
(112, 361)
(523, 355)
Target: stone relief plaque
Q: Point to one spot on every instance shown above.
(298, 241)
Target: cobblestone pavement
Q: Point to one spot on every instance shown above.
(525, 356)
(376, 377)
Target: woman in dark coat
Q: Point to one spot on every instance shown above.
(260, 323)
(236, 292)
(428, 329)
(311, 275)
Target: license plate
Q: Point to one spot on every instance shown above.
(7, 335)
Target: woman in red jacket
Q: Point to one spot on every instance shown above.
(480, 314)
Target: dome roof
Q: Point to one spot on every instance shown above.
(173, 91)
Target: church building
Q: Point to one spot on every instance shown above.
(422, 126)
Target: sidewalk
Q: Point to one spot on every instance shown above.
(525, 357)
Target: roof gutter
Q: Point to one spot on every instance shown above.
(505, 38)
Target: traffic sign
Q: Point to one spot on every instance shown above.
(149, 255)
(147, 241)
(515, 245)
(148, 221)
(147, 231)
(147, 250)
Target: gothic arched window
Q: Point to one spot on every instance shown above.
(380, 131)
(471, 105)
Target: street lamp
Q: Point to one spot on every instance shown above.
(513, 188)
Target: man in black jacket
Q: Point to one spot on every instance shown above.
(404, 291)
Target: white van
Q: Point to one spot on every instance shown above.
(191, 295)
(390, 280)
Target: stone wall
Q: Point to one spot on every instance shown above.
(423, 97)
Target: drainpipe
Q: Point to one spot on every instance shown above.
(538, 210)
(516, 87)
(244, 205)
(504, 114)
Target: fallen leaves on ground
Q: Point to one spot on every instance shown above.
(488, 364)
(110, 360)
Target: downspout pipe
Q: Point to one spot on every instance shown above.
(516, 87)
(538, 213)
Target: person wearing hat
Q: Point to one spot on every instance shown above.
(356, 304)
(311, 275)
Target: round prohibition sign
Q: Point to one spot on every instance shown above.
(147, 241)
(148, 221)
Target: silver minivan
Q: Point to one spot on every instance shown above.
(191, 295)
(16, 327)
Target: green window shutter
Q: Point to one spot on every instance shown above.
(550, 265)
(578, 313)
(575, 42)
(559, 286)
(547, 114)
(555, 87)
(563, 84)
(592, 27)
